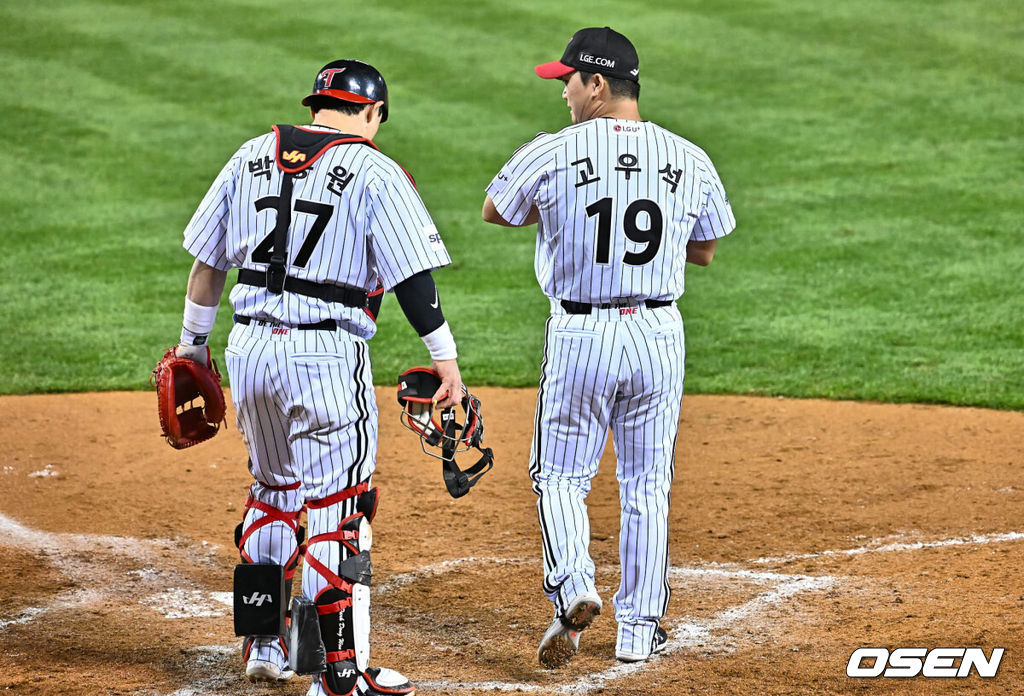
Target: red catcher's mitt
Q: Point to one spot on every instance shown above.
(179, 382)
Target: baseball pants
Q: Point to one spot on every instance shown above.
(621, 368)
(307, 413)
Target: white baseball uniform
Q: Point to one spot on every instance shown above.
(304, 397)
(618, 202)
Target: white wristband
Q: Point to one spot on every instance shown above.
(197, 322)
(441, 343)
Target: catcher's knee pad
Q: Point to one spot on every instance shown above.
(283, 547)
(262, 589)
(343, 606)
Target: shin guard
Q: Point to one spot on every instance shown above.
(343, 606)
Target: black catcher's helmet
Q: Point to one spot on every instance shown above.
(415, 388)
(351, 81)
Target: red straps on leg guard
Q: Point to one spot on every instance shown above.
(271, 514)
(339, 496)
(347, 534)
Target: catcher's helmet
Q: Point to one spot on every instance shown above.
(351, 81)
(416, 386)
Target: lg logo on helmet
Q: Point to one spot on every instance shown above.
(937, 663)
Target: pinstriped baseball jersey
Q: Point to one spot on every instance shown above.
(618, 202)
(356, 216)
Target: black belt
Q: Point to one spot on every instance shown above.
(325, 325)
(350, 297)
(585, 307)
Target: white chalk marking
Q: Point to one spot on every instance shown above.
(177, 603)
(402, 579)
(25, 616)
(181, 603)
(95, 559)
(682, 635)
(878, 546)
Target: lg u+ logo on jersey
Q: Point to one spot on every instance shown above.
(911, 662)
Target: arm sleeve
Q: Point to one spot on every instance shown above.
(374, 299)
(715, 219)
(206, 232)
(417, 296)
(514, 188)
(402, 237)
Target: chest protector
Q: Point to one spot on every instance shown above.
(297, 150)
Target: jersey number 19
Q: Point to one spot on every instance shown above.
(650, 235)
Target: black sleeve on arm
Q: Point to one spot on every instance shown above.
(374, 298)
(417, 296)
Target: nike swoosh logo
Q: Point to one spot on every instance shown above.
(434, 303)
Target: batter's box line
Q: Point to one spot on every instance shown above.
(880, 546)
(683, 634)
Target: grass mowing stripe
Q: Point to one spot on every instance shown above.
(865, 147)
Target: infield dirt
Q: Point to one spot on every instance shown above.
(801, 530)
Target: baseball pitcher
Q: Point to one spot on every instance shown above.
(621, 204)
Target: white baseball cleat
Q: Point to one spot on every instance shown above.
(381, 681)
(659, 643)
(562, 639)
(266, 671)
(265, 659)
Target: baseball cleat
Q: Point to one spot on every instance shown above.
(660, 641)
(265, 659)
(381, 681)
(266, 671)
(562, 639)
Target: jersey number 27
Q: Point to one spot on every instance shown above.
(323, 212)
(651, 235)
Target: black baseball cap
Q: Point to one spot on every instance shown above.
(596, 50)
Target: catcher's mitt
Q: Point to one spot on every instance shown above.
(179, 383)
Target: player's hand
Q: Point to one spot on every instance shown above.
(199, 354)
(450, 392)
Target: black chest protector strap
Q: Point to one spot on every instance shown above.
(275, 270)
(297, 150)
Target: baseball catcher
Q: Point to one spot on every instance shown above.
(416, 387)
(319, 223)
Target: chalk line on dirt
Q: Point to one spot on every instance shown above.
(880, 546)
(97, 564)
(95, 559)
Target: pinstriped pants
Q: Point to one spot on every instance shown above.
(623, 369)
(307, 412)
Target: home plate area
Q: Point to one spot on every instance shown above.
(471, 625)
(732, 605)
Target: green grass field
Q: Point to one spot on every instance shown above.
(871, 150)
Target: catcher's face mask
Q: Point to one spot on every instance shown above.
(440, 429)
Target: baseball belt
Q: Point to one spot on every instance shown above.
(585, 307)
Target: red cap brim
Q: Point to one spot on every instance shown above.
(338, 94)
(550, 71)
